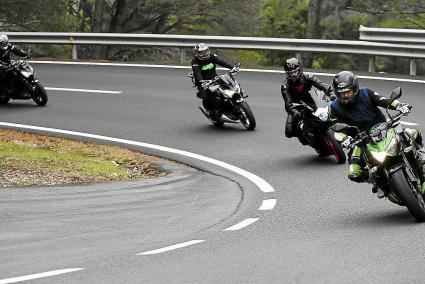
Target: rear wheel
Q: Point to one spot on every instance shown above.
(408, 194)
(335, 147)
(39, 95)
(247, 119)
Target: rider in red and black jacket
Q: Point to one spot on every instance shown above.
(295, 89)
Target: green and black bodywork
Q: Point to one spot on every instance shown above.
(390, 153)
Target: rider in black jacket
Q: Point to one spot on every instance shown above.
(6, 48)
(204, 68)
(296, 88)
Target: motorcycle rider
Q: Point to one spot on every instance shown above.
(6, 48)
(359, 107)
(296, 88)
(204, 68)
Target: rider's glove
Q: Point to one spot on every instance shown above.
(205, 85)
(235, 69)
(404, 108)
(346, 141)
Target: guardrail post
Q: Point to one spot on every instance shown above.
(413, 67)
(183, 55)
(372, 64)
(74, 52)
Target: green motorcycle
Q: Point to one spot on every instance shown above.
(390, 154)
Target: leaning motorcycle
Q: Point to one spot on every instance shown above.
(316, 128)
(23, 84)
(230, 105)
(391, 158)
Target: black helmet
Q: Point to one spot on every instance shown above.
(346, 86)
(292, 68)
(202, 51)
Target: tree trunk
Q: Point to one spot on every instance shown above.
(99, 25)
(313, 26)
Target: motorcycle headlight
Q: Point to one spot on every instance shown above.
(26, 74)
(391, 150)
(380, 156)
(229, 93)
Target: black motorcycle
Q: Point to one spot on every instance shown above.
(22, 85)
(230, 105)
(391, 159)
(315, 127)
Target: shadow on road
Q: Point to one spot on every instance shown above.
(21, 105)
(313, 160)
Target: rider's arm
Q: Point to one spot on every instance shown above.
(196, 71)
(286, 97)
(381, 101)
(319, 84)
(222, 62)
(18, 51)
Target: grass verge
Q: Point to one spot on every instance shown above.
(28, 159)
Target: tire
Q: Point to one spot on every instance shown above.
(4, 100)
(248, 119)
(408, 195)
(40, 95)
(335, 147)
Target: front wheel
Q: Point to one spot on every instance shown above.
(408, 194)
(247, 117)
(39, 95)
(335, 147)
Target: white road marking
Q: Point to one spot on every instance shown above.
(245, 70)
(268, 204)
(259, 182)
(83, 90)
(242, 224)
(173, 247)
(408, 123)
(39, 275)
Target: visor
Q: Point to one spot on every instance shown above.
(204, 54)
(294, 74)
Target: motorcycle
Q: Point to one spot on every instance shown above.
(316, 128)
(23, 84)
(392, 161)
(230, 105)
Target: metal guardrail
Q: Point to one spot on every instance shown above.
(409, 37)
(186, 41)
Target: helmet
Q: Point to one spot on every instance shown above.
(4, 41)
(346, 86)
(202, 51)
(292, 68)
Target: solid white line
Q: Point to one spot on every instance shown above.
(242, 224)
(245, 70)
(39, 275)
(173, 247)
(259, 182)
(268, 204)
(82, 90)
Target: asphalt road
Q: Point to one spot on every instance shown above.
(324, 229)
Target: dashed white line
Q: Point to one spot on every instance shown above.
(259, 182)
(83, 90)
(268, 204)
(39, 275)
(242, 224)
(173, 247)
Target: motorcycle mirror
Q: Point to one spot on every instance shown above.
(395, 95)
